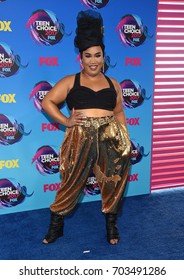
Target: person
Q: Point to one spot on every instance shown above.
(96, 136)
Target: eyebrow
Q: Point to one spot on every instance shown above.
(94, 53)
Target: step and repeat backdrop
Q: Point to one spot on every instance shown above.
(36, 50)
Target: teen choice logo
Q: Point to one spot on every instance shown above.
(47, 160)
(133, 94)
(9, 62)
(132, 31)
(137, 153)
(45, 28)
(12, 193)
(11, 131)
(95, 4)
(38, 93)
(91, 187)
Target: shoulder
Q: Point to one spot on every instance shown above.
(115, 83)
(66, 82)
(67, 79)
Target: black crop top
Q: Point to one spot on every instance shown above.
(81, 97)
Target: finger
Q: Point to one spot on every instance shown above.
(80, 120)
(73, 111)
(78, 114)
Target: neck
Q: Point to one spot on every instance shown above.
(91, 76)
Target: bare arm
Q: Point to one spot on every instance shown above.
(118, 110)
(56, 96)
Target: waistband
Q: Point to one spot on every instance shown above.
(98, 121)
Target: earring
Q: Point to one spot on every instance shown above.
(81, 65)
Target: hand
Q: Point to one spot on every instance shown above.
(76, 118)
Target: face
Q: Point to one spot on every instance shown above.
(92, 60)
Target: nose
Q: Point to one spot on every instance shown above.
(93, 59)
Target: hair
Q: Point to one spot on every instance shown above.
(89, 31)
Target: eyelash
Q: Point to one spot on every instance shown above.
(88, 56)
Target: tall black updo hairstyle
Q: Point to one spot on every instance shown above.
(89, 31)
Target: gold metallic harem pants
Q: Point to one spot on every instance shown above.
(101, 145)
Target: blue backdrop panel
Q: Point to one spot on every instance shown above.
(36, 50)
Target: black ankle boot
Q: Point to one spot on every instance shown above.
(55, 228)
(111, 227)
